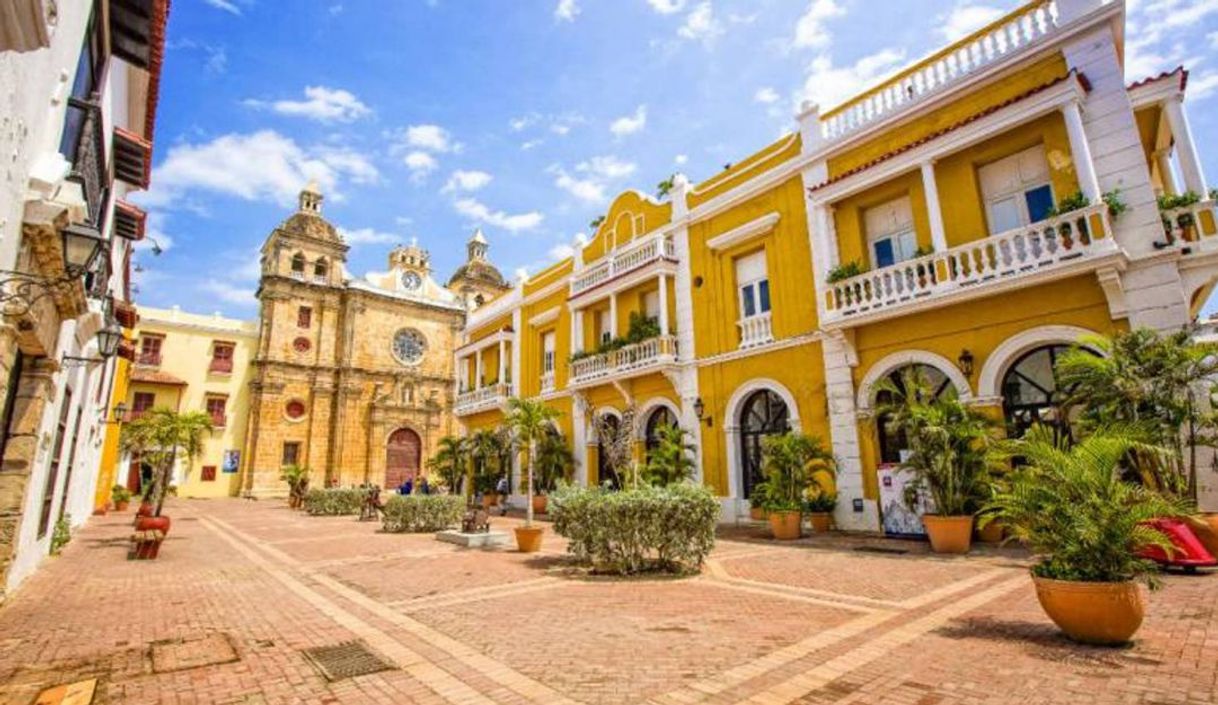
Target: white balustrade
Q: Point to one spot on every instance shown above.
(481, 399)
(547, 381)
(755, 330)
(1190, 224)
(632, 257)
(1040, 247)
(988, 45)
(631, 358)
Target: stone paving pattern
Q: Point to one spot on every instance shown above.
(815, 621)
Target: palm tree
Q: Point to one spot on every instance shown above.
(672, 459)
(486, 453)
(450, 462)
(158, 437)
(791, 462)
(529, 420)
(554, 460)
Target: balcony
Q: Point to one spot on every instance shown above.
(991, 45)
(85, 148)
(547, 382)
(1193, 224)
(629, 361)
(755, 330)
(1050, 249)
(486, 398)
(633, 257)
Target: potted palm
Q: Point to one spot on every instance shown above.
(529, 420)
(820, 505)
(789, 462)
(554, 463)
(450, 463)
(672, 459)
(1086, 525)
(484, 451)
(297, 477)
(121, 497)
(950, 457)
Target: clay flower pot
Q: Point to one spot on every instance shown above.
(949, 534)
(122, 506)
(528, 538)
(160, 523)
(757, 514)
(786, 525)
(821, 522)
(540, 502)
(991, 532)
(1103, 614)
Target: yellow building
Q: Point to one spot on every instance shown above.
(912, 225)
(192, 362)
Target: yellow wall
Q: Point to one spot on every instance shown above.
(109, 473)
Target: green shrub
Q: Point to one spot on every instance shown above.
(62, 534)
(1069, 204)
(845, 270)
(422, 513)
(669, 529)
(334, 501)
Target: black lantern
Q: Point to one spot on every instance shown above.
(699, 408)
(108, 339)
(119, 414)
(965, 361)
(82, 245)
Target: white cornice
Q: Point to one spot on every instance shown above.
(548, 316)
(743, 233)
(781, 344)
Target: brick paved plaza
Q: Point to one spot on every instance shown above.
(242, 588)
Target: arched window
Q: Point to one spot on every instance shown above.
(1030, 391)
(605, 472)
(892, 437)
(764, 414)
(298, 264)
(321, 269)
(661, 417)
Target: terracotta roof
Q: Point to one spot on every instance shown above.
(149, 376)
(156, 60)
(1166, 74)
(1074, 73)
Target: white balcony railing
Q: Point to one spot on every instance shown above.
(1052, 244)
(1007, 35)
(1190, 224)
(547, 382)
(755, 330)
(476, 400)
(632, 257)
(625, 361)
(299, 276)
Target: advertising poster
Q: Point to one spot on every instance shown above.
(232, 460)
(899, 519)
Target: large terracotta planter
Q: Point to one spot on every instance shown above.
(757, 514)
(991, 532)
(528, 538)
(949, 534)
(785, 525)
(122, 506)
(540, 502)
(821, 522)
(1103, 614)
(160, 523)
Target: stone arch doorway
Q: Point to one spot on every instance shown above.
(763, 414)
(402, 454)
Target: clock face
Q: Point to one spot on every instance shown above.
(412, 280)
(408, 346)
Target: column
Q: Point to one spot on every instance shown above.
(1167, 177)
(577, 330)
(613, 315)
(938, 236)
(663, 304)
(824, 243)
(502, 361)
(1186, 151)
(1080, 150)
(478, 370)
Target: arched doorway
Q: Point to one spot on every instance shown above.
(763, 414)
(659, 418)
(892, 437)
(605, 472)
(402, 457)
(1031, 393)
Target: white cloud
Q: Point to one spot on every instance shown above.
(229, 292)
(667, 7)
(321, 104)
(1213, 37)
(1202, 85)
(263, 165)
(680, 159)
(531, 144)
(430, 137)
(827, 85)
(420, 165)
(368, 236)
(966, 17)
(766, 95)
(590, 190)
(1159, 37)
(810, 29)
(566, 10)
(462, 180)
(701, 25)
(608, 167)
(225, 5)
(403, 220)
(561, 251)
(595, 177)
(478, 211)
(630, 124)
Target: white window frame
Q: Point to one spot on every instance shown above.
(548, 347)
(1019, 189)
(900, 230)
(750, 289)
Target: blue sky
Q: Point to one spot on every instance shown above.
(427, 118)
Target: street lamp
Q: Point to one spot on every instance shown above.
(82, 247)
(108, 339)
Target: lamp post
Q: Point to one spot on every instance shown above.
(108, 339)
(82, 248)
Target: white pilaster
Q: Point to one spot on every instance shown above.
(517, 333)
(502, 361)
(613, 315)
(1167, 177)
(1186, 150)
(663, 304)
(938, 234)
(579, 440)
(844, 434)
(687, 376)
(1080, 150)
(478, 370)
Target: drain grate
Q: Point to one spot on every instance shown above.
(881, 549)
(346, 660)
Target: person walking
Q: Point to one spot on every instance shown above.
(501, 488)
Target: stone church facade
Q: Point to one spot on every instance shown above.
(353, 378)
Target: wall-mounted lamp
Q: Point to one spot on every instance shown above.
(119, 414)
(965, 361)
(700, 411)
(108, 339)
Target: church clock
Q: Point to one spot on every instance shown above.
(412, 281)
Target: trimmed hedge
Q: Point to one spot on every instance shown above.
(334, 501)
(422, 513)
(669, 529)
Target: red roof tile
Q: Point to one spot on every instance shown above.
(148, 376)
(1166, 74)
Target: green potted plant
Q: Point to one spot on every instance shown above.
(529, 420)
(121, 497)
(790, 462)
(1085, 524)
(757, 502)
(950, 459)
(672, 459)
(450, 463)
(820, 505)
(554, 464)
(297, 477)
(485, 452)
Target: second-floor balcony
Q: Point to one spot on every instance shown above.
(483, 399)
(1054, 248)
(630, 258)
(755, 330)
(1191, 224)
(628, 361)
